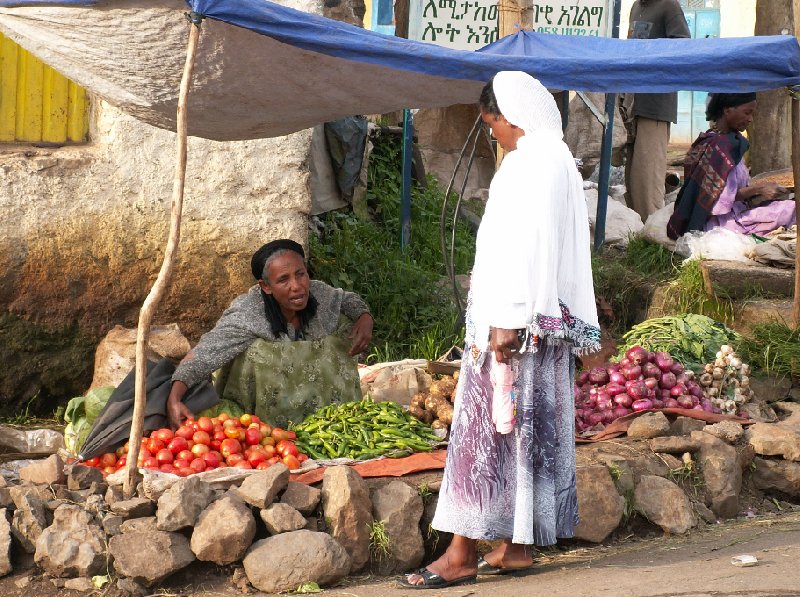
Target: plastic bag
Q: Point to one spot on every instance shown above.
(30, 441)
(655, 229)
(717, 243)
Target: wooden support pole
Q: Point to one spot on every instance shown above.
(796, 171)
(161, 285)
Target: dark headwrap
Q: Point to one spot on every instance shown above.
(717, 102)
(272, 310)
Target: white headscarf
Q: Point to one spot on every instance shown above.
(532, 262)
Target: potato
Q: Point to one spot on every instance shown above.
(432, 402)
(436, 390)
(427, 417)
(417, 411)
(439, 424)
(418, 400)
(447, 385)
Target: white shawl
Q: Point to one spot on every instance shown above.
(532, 263)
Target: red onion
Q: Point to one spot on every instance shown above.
(608, 416)
(651, 370)
(595, 418)
(743, 414)
(604, 404)
(633, 372)
(678, 390)
(695, 390)
(591, 400)
(580, 426)
(598, 376)
(658, 403)
(616, 377)
(707, 405)
(637, 355)
(671, 403)
(668, 381)
(682, 378)
(623, 400)
(716, 411)
(642, 405)
(697, 407)
(651, 383)
(664, 361)
(665, 394)
(613, 389)
(621, 411)
(638, 390)
(583, 378)
(677, 368)
(695, 399)
(684, 401)
(626, 362)
(613, 368)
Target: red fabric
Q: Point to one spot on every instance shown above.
(386, 467)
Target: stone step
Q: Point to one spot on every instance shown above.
(738, 280)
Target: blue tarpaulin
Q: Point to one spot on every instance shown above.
(265, 70)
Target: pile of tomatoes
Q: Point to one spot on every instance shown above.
(208, 443)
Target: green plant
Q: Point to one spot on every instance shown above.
(412, 305)
(774, 348)
(433, 536)
(616, 471)
(688, 294)
(424, 491)
(379, 543)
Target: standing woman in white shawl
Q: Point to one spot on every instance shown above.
(531, 306)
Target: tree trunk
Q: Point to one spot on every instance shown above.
(770, 133)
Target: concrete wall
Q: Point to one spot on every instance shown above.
(737, 17)
(84, 230)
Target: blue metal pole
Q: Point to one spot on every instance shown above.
(605, 153)
(405, 198)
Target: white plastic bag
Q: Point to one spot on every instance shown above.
(718, 243)
(655, 229)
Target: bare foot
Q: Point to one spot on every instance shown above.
(448, 567)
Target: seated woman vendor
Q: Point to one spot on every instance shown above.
(284, 348)
(717, 191)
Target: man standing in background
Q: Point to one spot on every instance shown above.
(648, 115)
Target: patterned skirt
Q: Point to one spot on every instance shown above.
(518, 486)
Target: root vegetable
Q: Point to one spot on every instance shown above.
(640, 405)
(418, 400)
(437, 424)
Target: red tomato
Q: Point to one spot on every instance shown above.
(184, 455)
(215, 444)
(230, 446)
(164, 434)
(108, 459)
(222, 417)
(246, 419)
(220, 435)
(228, 423)
(125, 447)
(200, 449)
(178, 444)
(279, 434)
(232, 432)
(286, 447)
(301, 458)
(292, 435)
(119, 452)
(186, 471)
(122, 461)
(243, 464)
(167, 468)
(256, 457)
(291, 462)
(256, 420)
(267, 441)
(180, 463)
(274, 459)
(213, 459)
(262, 466)
(154, 445)
(201, 437)
(205, 424)
(150, 462)
(185, 431)
(252, 437)
(109, 470)
(234, 459)
(269, 450)
(198, 465)
(92, 461)
(164, 456)
(266, 429)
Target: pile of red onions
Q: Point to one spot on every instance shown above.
(641, 381)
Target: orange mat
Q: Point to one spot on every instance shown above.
(386, 467)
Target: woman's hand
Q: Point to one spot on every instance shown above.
(177, 411)
(361, 334)
(769, 190)
(504, 343)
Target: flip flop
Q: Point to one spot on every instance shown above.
(486, 569)
(431, 580)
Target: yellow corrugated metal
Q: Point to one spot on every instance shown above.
(37, 104)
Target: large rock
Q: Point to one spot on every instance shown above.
(777, 475)
(261, 489)
(348, 511)
(82, 477)
(282, 518)
(648, 426)
(74, 545)
(721, 467)
(674, 444)
(600, 506)
(148, 523)
(727, 431)
(181, 504)
(685, 426)
(148, 557)
(399, 508)
(435, 542)
(664, 503)
(30, 518)
(772, 389)
(301, 497)
(774, 440)
(224, 531)
(5, 543)
(45, 472)
(286, 561)
(133, 508)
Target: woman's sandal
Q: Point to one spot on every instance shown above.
(486, 569)
(431, 580)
